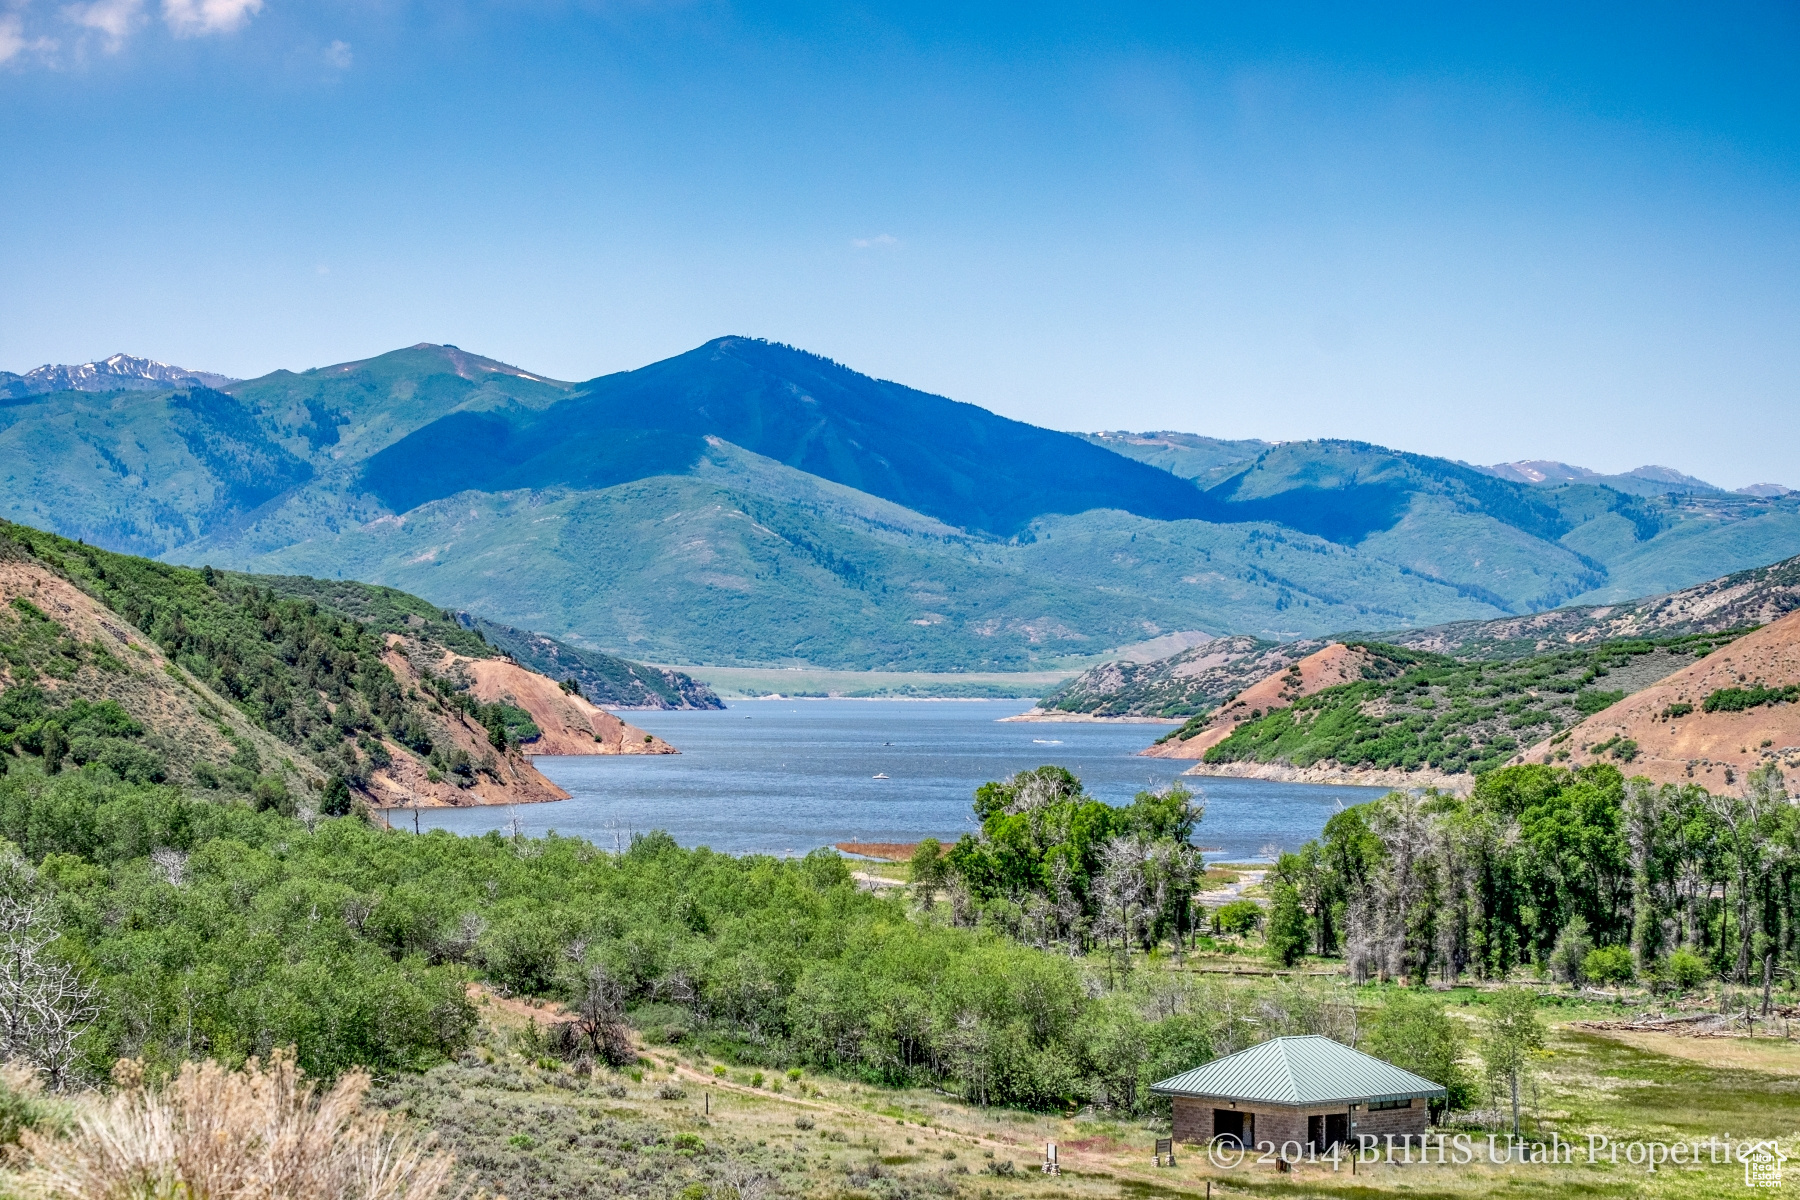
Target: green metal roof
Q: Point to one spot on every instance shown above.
(1301, 1071)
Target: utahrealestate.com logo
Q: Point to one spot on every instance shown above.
(1761, 1160)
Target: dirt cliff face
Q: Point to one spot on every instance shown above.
(1335, 664)
(1649, 733)
(569, 723)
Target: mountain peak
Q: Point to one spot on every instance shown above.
(1645, 480)
(117, 372)
(469, 366)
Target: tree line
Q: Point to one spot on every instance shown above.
(1578, 873)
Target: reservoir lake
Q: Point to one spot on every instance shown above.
(786, 776)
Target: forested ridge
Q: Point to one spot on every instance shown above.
(301, 658)
(1416, 710)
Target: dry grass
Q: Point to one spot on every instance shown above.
(261, 1133)
(1771, 1056)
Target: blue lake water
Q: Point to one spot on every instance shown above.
(786, 776)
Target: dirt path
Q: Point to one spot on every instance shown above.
(1233, 891)
(1105, 1157)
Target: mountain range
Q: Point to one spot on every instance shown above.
(119, 373)
(752, 503)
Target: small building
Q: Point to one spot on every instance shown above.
(1301, 1090)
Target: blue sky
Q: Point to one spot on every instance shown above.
(1531, 233)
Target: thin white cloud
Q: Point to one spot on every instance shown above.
(880, 239)
(191, 18)
(113, 20)
(338, 55)
(13, 41)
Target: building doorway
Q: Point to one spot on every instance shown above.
(1230, 1125)
(1328, 1130)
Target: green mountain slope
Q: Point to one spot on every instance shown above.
(147, 471)
(1188, 455)
(959, 463)
(748, 561)
(837, 577)
(883, 527)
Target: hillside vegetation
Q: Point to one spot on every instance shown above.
(355, 684)
(710, 568)
(1714, 721)
(1199, 679)
(1195, 681)
(1416, 711)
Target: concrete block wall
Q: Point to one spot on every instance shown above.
(1384, 1121)
(1193, 1121)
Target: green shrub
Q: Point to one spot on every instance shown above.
(1608, 964)
(1286, 938)
(1736, 699)
(1413, 1031)
(1590, 701)
(1238, 917)
(1685, 969)
(1568, 960)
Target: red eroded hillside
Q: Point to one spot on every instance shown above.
(1665, 733)
(1335, 664)
(569, 723)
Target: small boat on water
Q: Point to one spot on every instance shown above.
(1046, 741)
(879, 776)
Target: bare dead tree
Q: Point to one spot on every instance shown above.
(171, 864)
(1071, 922)
(1123, 893)
(44, 1002)
(599, 1024)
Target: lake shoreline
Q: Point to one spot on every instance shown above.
(1405, 781)
(784, 778)
(1053, 718)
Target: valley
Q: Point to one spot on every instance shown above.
(898, 602)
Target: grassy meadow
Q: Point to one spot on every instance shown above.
(679, 1122)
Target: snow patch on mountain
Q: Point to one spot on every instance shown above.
(119, 372)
